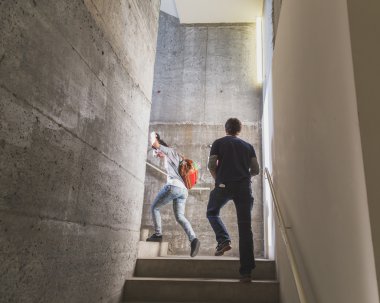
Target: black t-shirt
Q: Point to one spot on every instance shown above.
(234, 159)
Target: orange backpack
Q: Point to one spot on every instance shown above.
(188, 170)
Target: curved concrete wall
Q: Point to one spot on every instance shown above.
(75, 89)
(317, 154)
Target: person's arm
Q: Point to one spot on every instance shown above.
(154, 141)
(212, 164)
(167, 151)
(254, 167)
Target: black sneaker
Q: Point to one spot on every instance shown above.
(222, 248)
(195, 247)
(246, 278)
(154, 238)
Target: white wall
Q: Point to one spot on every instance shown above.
(169, 7)
(219, 11)
(317, 156)
(267, 136)
(267, 126)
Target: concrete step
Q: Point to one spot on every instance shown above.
(201, 267)
(152, 249)
(199, 290)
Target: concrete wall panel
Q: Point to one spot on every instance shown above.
(49, 260)
(132, 23)
(40, 161)
(83, 102)
(182, 53)
(231, 74)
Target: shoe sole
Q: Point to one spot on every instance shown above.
(221, 252)
(196, 250)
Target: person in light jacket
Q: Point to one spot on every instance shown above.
(173, 191)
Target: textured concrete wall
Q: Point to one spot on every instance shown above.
(74, 97)
(204, 74)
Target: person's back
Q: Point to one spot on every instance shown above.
(234, 159)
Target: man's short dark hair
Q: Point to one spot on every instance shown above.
(232, 126)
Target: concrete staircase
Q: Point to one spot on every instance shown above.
(199, 279)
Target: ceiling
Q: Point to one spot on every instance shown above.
(213, 11)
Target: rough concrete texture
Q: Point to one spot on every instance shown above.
(204, 74)
(73, 100)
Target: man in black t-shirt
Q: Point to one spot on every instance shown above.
(232, 163)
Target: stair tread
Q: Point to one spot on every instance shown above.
(204, 267)
(196, 280)
(201, 258)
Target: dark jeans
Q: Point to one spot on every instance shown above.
(241, 194)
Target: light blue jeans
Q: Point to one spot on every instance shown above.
(178, 195)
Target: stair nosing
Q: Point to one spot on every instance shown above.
(200, 258)
(195, 280)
